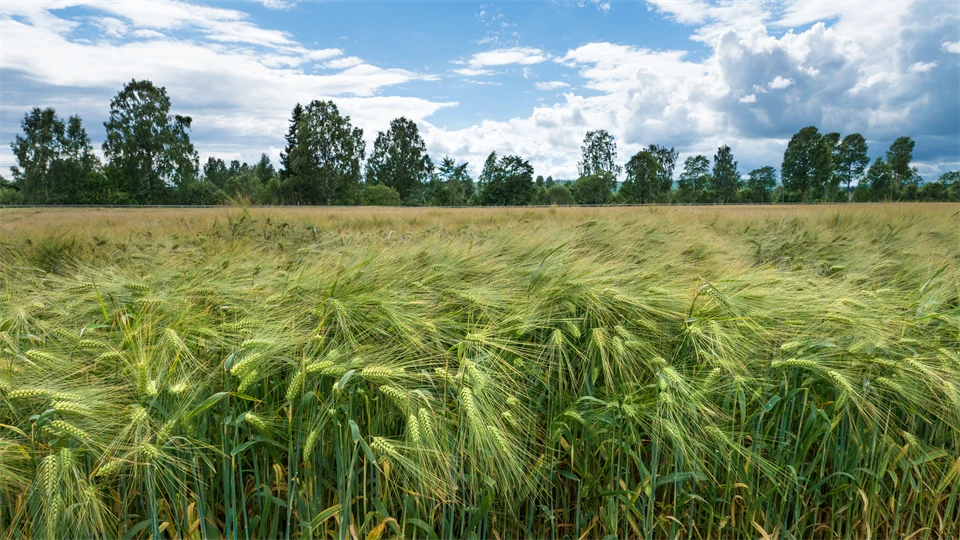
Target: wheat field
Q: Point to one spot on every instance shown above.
(562, 373)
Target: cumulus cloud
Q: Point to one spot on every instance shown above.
(502, 57)
(780, 82)
(551, 85)
(239, 97)
(758, 72)
(471, 72)
(838, 73)
(923, 67)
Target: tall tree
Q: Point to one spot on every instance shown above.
(147, 145)
(599, 155)
(457, 184)
(761, 182)
(54, 159)
(852, 160)
(216, 172)
(726, 177)
(827, 155)
(399, 159)
(803, 161)
(667, 158)
(880, 180)
(325, 163)
(36, 151)
(292, 141)
(643, 178)
(263, 170)
(899, 157)
(488, 172)
(508, 182)
(694, 179)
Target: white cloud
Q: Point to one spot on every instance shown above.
(551, 85)
(343, 63)
(148, 34)
(471, 72)
(951, 47)
(752, 98)
(278, 4)
(239, 97)
(502, 57)
(923, 67)
(780, 82)
(111, 27)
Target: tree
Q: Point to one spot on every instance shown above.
(643, 180)
(599, 155)
(726, 177)
(216, 172)
(263, 170)
(880, 180)
(380, 195)
(761, 182)
(851, 160)
(803, 162)
(325, 163)
(827, 158)
(400, 159)
(457, 186)
(54, 159)
(667, 159)
(592, 189)
(555, 194)
(507, 182)
(695, 178)
(150, 147)
(898, 162)
(292, 141)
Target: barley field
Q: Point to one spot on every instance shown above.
(562, 373)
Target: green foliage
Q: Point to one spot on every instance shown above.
(880, 180)
(325, 163)
(399, 160)
(593, 189)
(148, 145)
(667, 160)
(695, 179)
(725, 178)
(54, 159)
(292, 137)
(506, 182)
(599, 155)
(806, 162)
(642, 184)
(899, 157)
(761, 183)
(452, 185)
(526, 373)
(556, 194)
(851, 159)
(380, 195)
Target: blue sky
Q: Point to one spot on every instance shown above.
(527, 78)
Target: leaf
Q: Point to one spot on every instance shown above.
(479, 515)
(323, 516)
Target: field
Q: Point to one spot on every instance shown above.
(693, 372)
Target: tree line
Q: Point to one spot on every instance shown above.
(149, 159)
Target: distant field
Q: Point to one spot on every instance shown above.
(654, 372)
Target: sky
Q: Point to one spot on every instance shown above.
(519, 77)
